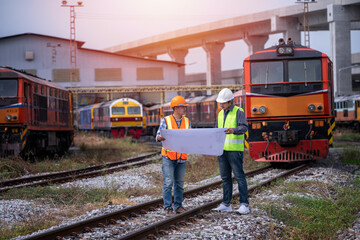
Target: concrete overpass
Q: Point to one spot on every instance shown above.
(337, 16)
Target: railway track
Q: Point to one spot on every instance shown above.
(67, 176)
(124, 219)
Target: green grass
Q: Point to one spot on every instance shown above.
(351, 156)
(319, 215)
(60, 196)
(33, 225)
(94, 150)
(69, 202)
(354, 137)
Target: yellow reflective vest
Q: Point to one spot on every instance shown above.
(232, 142)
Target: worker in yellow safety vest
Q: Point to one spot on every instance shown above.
(173, 163)
(232, 118)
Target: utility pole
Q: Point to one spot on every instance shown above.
(73, 76)
(306, 20)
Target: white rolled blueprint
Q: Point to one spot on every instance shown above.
(207, 141)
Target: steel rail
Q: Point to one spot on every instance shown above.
(50, 178)
(123, 214)
(160, 227)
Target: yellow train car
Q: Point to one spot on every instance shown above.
(119, 117)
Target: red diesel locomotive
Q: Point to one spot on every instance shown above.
(289, 103)
(35, 115)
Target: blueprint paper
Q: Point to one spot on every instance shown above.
(208, 141)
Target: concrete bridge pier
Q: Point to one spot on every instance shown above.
(340, 42)
(288, 26)
(255, 42)
(213, 62)
(178, 55)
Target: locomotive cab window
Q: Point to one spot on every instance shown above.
(133, 110)
(118, 110)
(267, 72)
(8, 88)
(304, 70)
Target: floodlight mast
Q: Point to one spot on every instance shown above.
(73, 75)
(306, 20)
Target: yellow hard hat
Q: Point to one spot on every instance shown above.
(178, 101)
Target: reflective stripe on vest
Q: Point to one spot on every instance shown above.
(232, 142)
(171, 124)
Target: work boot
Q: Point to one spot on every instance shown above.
(180, 210)
(169, 212)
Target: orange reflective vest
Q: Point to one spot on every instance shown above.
(171, 124)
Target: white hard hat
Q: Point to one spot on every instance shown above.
(225, 95)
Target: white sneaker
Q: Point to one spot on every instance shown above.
(223, 208)
(243, 209)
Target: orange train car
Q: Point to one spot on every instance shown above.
(347, 110)
(35, 115)
(289, 103)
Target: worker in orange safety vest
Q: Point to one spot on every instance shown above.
(173, 163)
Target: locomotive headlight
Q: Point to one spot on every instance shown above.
(262, 109)
(285, 50)
(289, 50)
(319, 107)
(311, 107)
(8, 117)
(15, 117)
(281, 50)
(254, 109)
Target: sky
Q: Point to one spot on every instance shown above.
(104, 23)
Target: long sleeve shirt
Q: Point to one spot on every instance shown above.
(242, 125)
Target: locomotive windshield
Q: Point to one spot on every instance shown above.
(267, 72)
(133, 110)
(298, 71)
(118, 110)
(8, 88)
(304, 70)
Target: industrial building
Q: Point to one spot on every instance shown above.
(49, 57)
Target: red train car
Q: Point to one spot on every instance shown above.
(202, 111)
(289, 103)
(35, 115)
